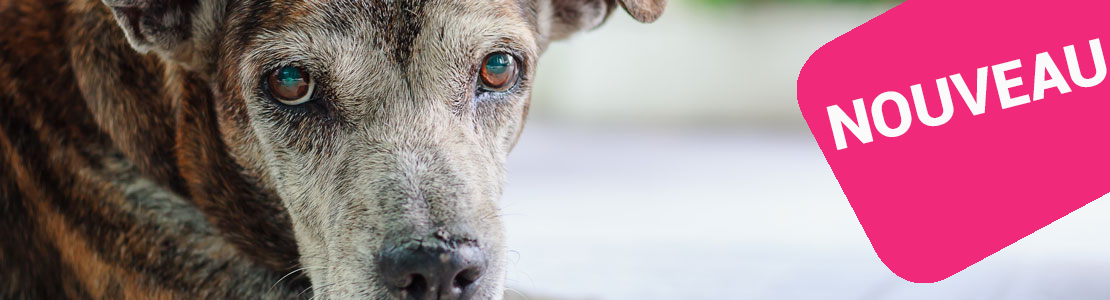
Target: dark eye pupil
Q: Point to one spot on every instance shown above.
(499, 72)
(290, 83)
(498, 64)
(289, 76)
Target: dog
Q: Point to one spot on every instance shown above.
(266, 149)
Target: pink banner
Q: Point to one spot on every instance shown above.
(958, 127)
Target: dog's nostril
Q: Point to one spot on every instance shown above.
(415, 284)
(467, 277)
(447, 273)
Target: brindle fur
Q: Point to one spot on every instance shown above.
(138, 161)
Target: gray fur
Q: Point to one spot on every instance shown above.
(404, 146)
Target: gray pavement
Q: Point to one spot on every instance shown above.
(602, 213)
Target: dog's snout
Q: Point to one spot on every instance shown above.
(419, 271)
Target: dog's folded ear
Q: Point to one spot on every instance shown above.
(646, 11)
(174, 29)
(570, 16)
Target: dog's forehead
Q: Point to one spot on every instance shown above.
(398, 22)
(391, 27)
(364, 40)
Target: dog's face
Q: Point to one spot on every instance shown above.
(382, 125)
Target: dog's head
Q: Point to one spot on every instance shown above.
(382, 126)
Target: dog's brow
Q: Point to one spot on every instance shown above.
(527, 10)
(397, 23)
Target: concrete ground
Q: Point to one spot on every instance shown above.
(597, 213)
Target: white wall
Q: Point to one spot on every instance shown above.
(695, 66)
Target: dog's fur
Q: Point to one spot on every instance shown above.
(139, 158)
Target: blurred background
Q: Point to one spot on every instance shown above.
(670, 161)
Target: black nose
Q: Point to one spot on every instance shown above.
(421, 270)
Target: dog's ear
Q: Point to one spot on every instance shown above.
(174, 29)
(570, 16)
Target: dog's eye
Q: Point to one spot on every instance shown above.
(291, 85)
(499, 72)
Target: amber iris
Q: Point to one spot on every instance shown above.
(290, 85)
(499, 72)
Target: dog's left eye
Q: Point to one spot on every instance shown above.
(291, 85)
(499, 72)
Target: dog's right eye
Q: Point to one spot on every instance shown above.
(499, 72)
(291, 85)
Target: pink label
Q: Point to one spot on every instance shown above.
(958, 127)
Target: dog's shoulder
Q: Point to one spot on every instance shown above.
(87, 176)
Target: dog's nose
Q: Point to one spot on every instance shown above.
(420, 271)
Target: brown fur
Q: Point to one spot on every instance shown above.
(123, 175)
(80, 113)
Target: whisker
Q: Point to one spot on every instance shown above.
(316, 291)
(283, 278)
(522, 295)
(314, 294)
(291, 273)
